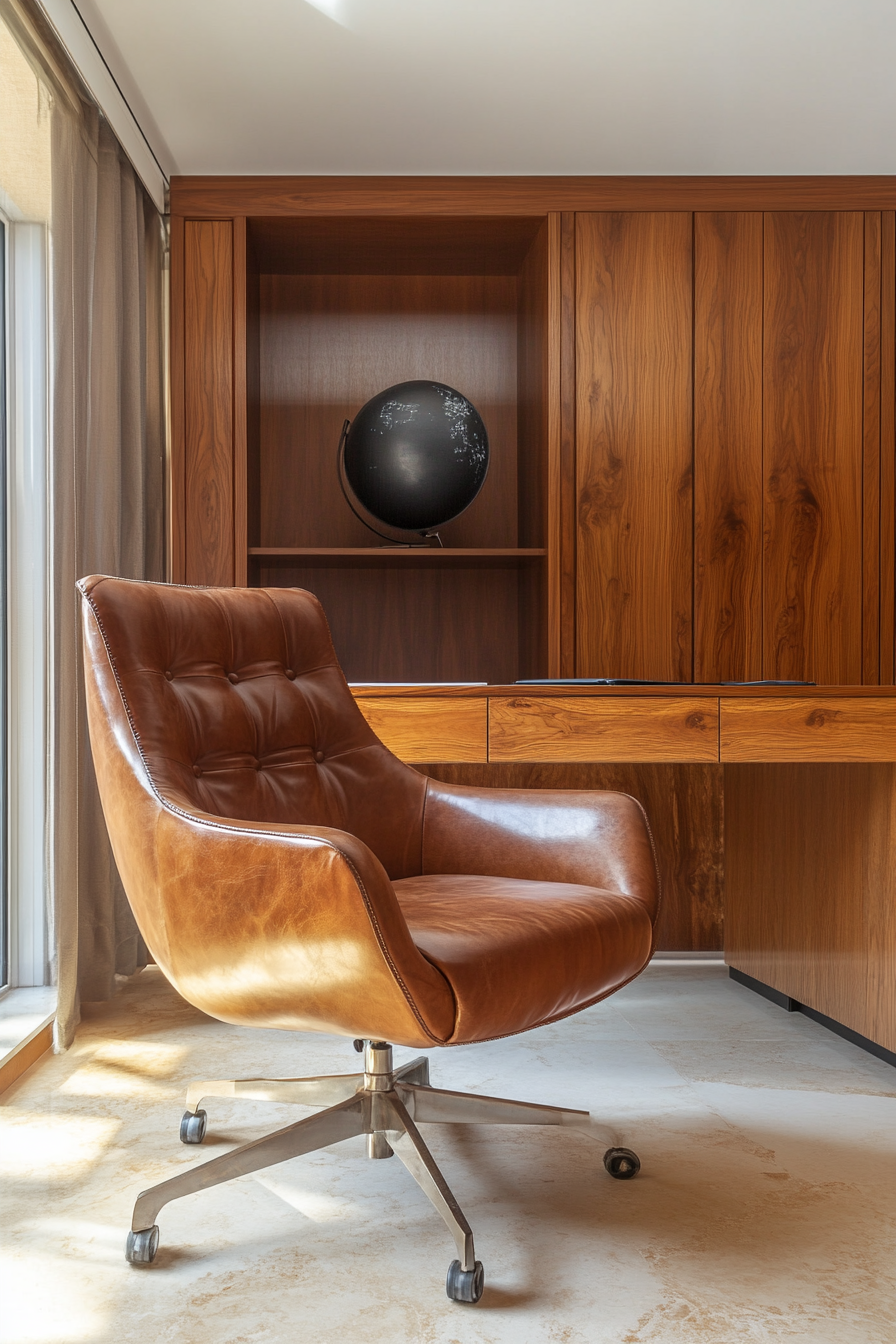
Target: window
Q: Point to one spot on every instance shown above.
(4, 436)
(24, 221)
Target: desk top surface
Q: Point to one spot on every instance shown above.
(684, 690)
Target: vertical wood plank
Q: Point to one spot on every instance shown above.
(812, 432)
(568, 445)
(240, 405)
(810, 893)
(552, 320)
(871, 457)
(208, 418)
(728, 446)
(253, 396)
(535, 522)
(634, 445)
(888, 449)
(878, 933)
(176, 493)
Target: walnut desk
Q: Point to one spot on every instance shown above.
(809, 809)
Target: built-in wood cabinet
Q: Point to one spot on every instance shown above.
(289, 326)
(728, 434)
(690, 392)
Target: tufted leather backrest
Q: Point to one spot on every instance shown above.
(240, 709)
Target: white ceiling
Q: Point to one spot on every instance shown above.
(507, 86)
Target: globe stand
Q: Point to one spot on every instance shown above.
(422, 539)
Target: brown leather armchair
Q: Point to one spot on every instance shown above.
(286, 870)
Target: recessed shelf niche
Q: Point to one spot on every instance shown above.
(340, 308)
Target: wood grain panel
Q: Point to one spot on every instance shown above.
(888, 449)
(538, 450)
(435, 728)
(871, 456)
(568, 445)
(214, 196)
(176, 495)
(796, 729)
(15, 1065)
(328, 343)
(810, 900)
(685, 808)
(208, 417)
(813, 393)
(241, 287)
(409, 623)
(728, 446)
(312, 244)
(253, 396)
(634, 445)
(543, 729)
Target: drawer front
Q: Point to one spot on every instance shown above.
(431, 729)
(795, 729)
(603, 729)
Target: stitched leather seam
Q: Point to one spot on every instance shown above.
(280, 835)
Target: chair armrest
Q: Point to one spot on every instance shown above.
(289, 926)
(594, 838)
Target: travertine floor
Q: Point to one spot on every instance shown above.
(765, 1210)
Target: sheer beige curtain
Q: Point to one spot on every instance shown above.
(107, 492)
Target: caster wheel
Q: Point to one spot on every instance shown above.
(465, 1285)
(192, 1127)
(622, 1163)
(142, 1246)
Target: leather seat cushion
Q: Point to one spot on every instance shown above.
(519, 953)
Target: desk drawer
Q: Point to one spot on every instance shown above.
(603, 729)
(794, 729)
(431, 729)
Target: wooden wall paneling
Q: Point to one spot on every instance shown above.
(400, 622)
(253, 395)
(312, 244)
(551, 319)
(879, 888)
(329, 342)
(812, 431)
(214, 196)
(537, 453)
(634, 458)
(567, 538)
(208, 419)
(727, 446)
(888, 449)
(811, 888)
(685, 807)
(240, 403)
(176, 500)
(871, 456)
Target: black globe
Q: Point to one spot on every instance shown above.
(416, 455)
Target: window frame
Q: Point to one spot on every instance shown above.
(24, 633)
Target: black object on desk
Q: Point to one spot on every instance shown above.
(629, 681)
